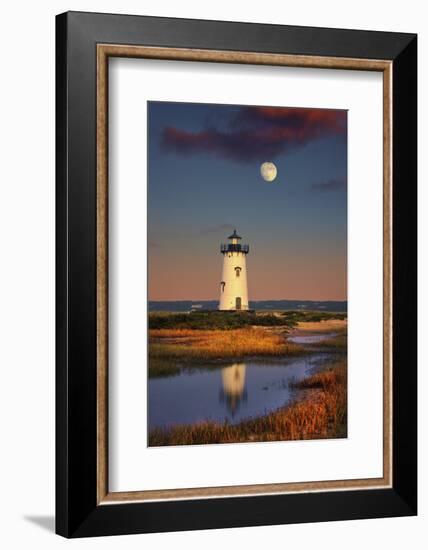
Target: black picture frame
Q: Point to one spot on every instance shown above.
(77, 511)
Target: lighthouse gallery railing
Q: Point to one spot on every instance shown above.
(244, 248)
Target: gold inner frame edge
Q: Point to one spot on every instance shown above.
(104, 51)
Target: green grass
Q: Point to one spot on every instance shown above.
(214, 320)
(312, 316)
(228, 321)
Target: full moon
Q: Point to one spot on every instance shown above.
(268, 171)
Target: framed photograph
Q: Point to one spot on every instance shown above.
(236, 274)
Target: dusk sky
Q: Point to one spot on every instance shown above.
(204, 180)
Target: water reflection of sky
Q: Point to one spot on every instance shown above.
(232, 393)
(310, 338)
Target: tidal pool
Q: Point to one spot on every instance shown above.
(311, 338)
(230, 393)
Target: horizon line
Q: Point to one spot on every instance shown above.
(261, 300)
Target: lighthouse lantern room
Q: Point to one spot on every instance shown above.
(233, 285)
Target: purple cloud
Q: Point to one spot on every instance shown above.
(257, 133)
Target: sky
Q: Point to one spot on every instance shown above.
(204, 180)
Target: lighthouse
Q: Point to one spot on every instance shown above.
(233, 285)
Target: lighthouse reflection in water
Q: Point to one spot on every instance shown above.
(231, 393)
(233, 390)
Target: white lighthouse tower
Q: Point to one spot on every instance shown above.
(233, 285)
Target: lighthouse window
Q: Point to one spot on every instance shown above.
(222, 284)
(237, 271)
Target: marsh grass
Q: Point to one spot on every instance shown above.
(320, 414)
(313, 316)
(338, 342)
(162, 368)
(216, 320)
(331, 378)
(223, 320)
(186, 346)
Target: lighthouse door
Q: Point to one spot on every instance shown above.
(238, 303)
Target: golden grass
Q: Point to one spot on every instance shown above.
(174, 332)
(191, 345)
(321, 414)
(322, 380)
(338, 342)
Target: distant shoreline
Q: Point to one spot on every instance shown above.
(259, 305)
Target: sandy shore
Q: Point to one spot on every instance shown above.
(331, 325)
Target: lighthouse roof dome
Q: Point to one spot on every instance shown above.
(234, 235)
